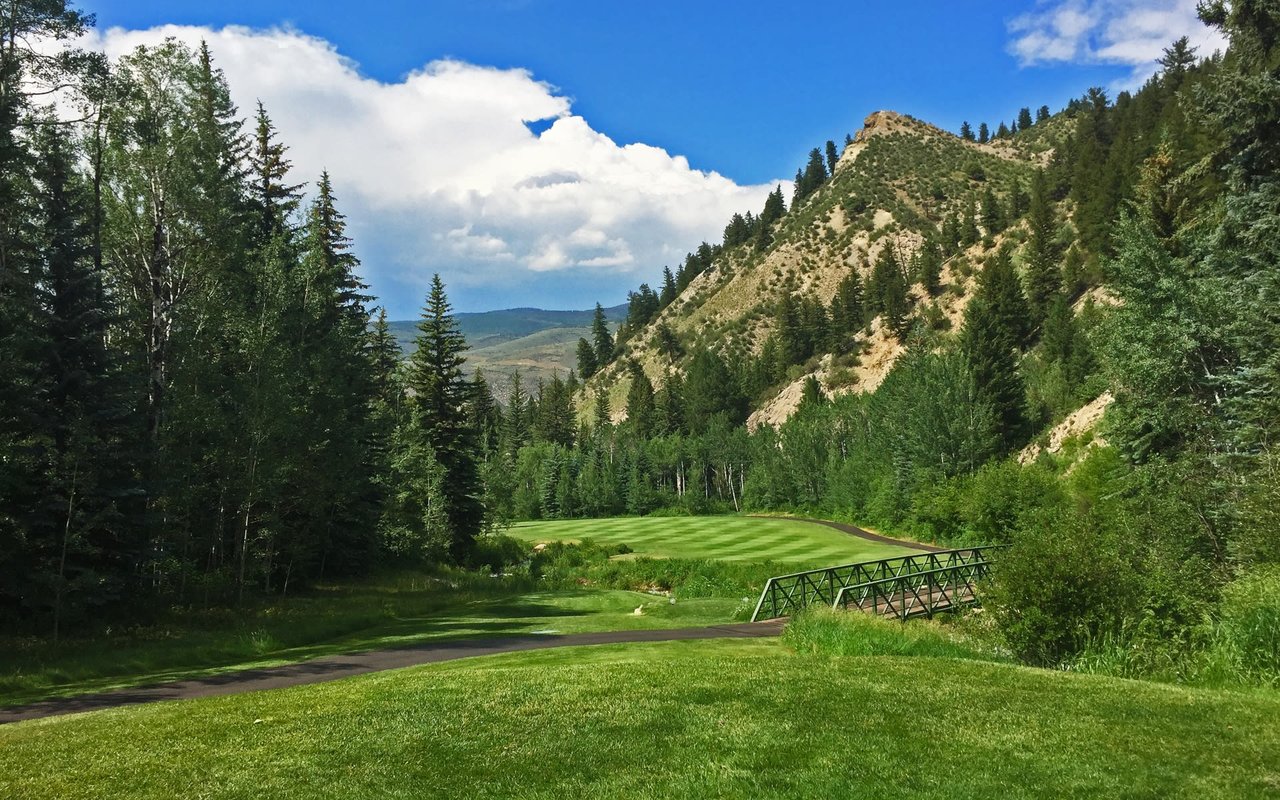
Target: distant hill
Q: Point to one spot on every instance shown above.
(537, 342)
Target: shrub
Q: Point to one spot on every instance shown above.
(1067, 580)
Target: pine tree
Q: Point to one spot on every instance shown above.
(1043, 274)
(1001, 292)
(1042, 114)
(812, 394)
(966, 132)
(669, 291)
(832, 157)
(640, 402)
(929, 266)
(990, 353)
(601, 340)
(517, 431)
(276, 199)
(602, 418)
(586, 359)
(1024, 119)
(984, 133)
(438, 408)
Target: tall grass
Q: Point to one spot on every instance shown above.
(824, 631)
(1238, 646)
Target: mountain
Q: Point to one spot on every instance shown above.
(897, 183)
(537, 342)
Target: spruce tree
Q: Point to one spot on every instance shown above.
(991, 355)
(669, 291)
(640, 402)
(438, 407)
(276, 199)
(586, 359)
(601, 340)
(1043, 273)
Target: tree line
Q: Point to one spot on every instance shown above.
(196, 406)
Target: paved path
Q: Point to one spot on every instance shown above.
(853, 530)
(344, 666)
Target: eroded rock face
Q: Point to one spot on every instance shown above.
(1082, 420)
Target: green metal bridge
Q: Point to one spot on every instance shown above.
(899, 588)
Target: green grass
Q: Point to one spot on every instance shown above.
(687, 719)
(722, 538)
(338, 619)
(824, 631)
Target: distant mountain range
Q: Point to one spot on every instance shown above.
(537, 342)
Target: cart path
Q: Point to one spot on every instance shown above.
(344, 666)
(853, 530)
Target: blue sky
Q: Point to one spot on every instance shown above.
(740, 89)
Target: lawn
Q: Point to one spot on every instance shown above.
(337, 619)
(722, 538)
(686, 719)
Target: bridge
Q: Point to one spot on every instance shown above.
(896, 588)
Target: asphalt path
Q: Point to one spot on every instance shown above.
(333, 668)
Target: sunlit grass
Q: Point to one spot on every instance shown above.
(722, 538)
(704, 719)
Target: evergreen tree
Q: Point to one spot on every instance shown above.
(1042, 114)
(640, 402)
(966, 132)
(518, 423)
(669, 291)
(603, 417)
(709, 391)
(991, 355)
(992, 213)
(1001, 292)
(774, 209)
(666, 341)
(984, 133)
(438, 409)
(929, 266)
(1024, 119)
(1043, 274)
(832, 157)
(274, 197)
(586, 359)
(812, 394)
(601, 340)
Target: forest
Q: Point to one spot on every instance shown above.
(203, 404)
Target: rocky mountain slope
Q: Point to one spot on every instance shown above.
(895, 183)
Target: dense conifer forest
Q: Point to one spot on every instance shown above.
(202, 403)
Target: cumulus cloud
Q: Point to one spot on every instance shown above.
(443, 171)
(1123, 32)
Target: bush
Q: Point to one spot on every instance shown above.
(1068, 580)
(1001, 495)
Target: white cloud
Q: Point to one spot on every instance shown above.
(440, 172)
(1123, 32)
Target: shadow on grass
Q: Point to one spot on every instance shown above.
(325, 622)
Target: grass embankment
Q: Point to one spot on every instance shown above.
(705, 719)
(789, 541)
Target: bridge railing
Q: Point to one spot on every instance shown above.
(926, 592)
(870, 583)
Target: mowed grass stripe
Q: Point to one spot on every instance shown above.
(721, 538)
